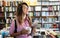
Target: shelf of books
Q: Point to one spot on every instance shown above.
(45, 12)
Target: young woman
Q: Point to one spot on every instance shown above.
(22, 21)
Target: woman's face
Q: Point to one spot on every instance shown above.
(25, 9)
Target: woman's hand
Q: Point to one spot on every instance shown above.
(24, 31)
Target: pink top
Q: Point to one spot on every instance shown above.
(19, 28)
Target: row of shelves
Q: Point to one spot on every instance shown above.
(48, 0)
(15, 3)
(46, 13)
(40, 20)
(37, 8)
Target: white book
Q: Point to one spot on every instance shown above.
(58, 7)
(8, 3)
(38, 3)
(47, 13)
(10, 8)
(29, 9)
(14, 9)
(11, 15)
(50, 19)
(54, 3)
(54, 7)
(2, 9)
(6, 8)
(43, 14)
(45, 3)
(30, 14)
(44, 9)
(38, 8)
(7, 20)
(16, 3)
(53, 0)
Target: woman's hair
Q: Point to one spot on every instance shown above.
(19, 12)
(19, 8)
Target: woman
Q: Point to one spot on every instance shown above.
(22, 21)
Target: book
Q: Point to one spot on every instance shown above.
(30, 13)
(45, 3)
(50, 13)
(10, 8)
(45, 13)
(38, 8)
(58, 8)
(50, 8)
(10, 14)
(30, 9)
(6, 8)
(14, 3)
(40, 19)
(0, 3)
(8, 20)
(36, 13)
(8, 3)
(44, 0)
(50, 20)
(44, 20)
(53, 0)
(56, 13)
(2, 9)
(44, 9)
(47, 26)
(11, 3)
(14, 8)
(54, 8)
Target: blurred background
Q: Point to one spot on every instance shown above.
(45, 15)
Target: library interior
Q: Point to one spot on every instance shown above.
(44, 14)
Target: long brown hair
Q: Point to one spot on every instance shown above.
(19, 13)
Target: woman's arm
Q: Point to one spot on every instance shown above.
(15, 34)
(22, 32)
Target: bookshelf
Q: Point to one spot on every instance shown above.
(46, 12)
(50, 11)
(2, 18)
